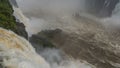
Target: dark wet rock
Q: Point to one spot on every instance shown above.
(1, 61)
(1, 66)
(20, 30)
(101, 8)
(41, 39)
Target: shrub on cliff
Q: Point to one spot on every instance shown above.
(7, 20)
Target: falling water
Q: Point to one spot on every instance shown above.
(16, 52)
(60, 14)
(50, 14)
(45, 14)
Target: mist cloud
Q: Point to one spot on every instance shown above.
(51, 6)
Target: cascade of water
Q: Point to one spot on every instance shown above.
(31, 24)
(16, 52)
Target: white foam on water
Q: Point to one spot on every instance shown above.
(45, 14)
(16, 52)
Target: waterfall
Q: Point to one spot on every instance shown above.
(39, 15)
(16, 52)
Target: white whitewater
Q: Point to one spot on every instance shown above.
(19, 53)
(42, 10)
(45, 14)
(31, 28)
(16, 52)
(22, 19)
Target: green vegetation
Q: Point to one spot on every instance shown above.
(7, 20)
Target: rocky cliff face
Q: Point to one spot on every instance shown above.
(20, 30)
(8, 21)
(101, 8)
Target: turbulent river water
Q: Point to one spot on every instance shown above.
(40, 15)
(60, 14)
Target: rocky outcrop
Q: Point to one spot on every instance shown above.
(41, 40)
(20, 30)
